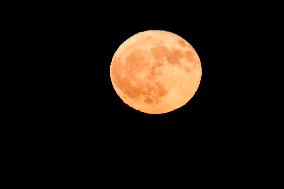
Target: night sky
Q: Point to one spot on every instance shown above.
(68, 117)
(81, 40)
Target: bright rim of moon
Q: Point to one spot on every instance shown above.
(155, 71)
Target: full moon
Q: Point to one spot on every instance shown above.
(155, 71)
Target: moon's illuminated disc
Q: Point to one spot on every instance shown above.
(155, 71)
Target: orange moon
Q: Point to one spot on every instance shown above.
(155, 71)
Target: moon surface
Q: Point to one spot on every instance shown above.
(155, 71)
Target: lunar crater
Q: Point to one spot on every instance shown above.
(182, 43)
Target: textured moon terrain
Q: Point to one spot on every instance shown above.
(155, 71)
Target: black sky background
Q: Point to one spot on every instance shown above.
(67, 116)
(74, 43)
(82, 41)
(116, 29)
